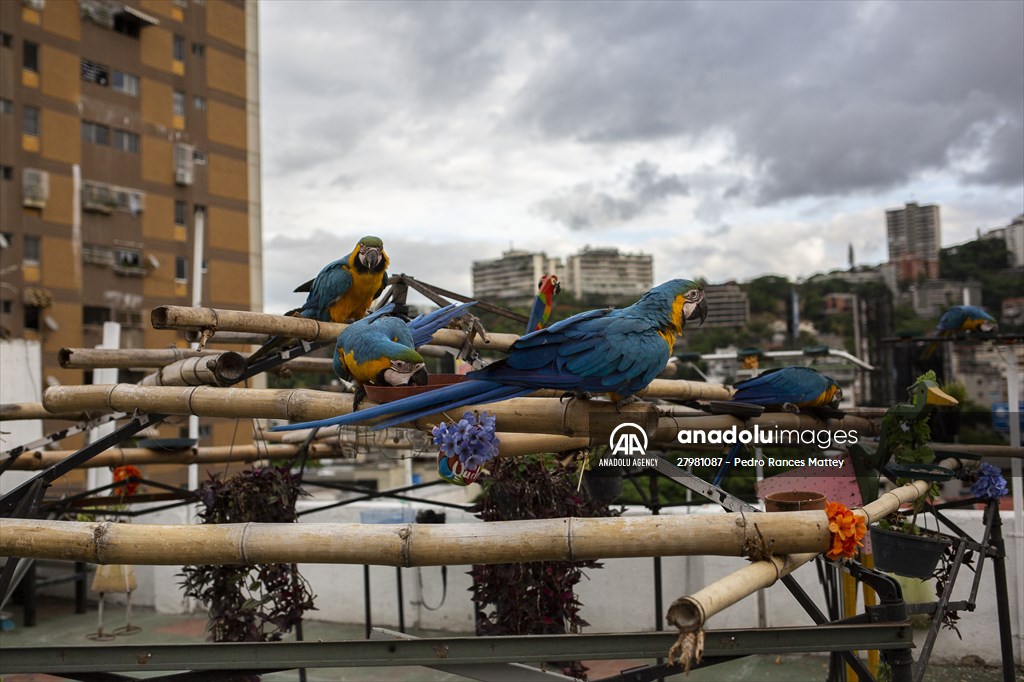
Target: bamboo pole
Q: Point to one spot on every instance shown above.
(411, 544)
(892, 500)
(36, 460)
(690, 613)
(525, 415)
(224, 338)
(220, 369)
(210, 319)
(17, 411)
(676, 389)
(125, 358)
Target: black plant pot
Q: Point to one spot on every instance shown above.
(914, 556)
(603, 484)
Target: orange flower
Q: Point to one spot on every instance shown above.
(125, 472)
(847, 528)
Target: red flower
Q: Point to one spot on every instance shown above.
(124, 472)
(847, 528)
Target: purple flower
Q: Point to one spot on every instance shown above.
(990, 483)
(471, 439)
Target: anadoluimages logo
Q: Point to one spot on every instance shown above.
(628, 440)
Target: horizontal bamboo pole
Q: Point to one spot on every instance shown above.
(228, 338)
(180, 317)
(221, 369)
(411, 544)
(36, 460)
(522, 415)
(676, 389)
(204, 401)
(17, 411)
(125, 358)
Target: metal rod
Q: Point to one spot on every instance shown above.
(366, 600)
(1002, 595)
(450, 650)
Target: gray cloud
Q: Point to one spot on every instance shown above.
(824, 98)
(584, 206)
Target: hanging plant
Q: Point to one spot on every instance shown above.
(535, 597)
(254, 603)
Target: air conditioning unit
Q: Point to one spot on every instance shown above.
(98, 198)
(35, 188)
(184, 164)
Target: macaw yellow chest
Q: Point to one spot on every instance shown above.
(353, 304)
(367, 371)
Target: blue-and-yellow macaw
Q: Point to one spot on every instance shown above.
(960, 318)
(799, 386)
(381, 350)
(342, 291)
(540, 311)
(802, 387)
(599, 351)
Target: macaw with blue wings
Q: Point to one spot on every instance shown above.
(801, 387)
(615, 351)
(543, 303)
(960, 318)
(342, 291)
(381, 350)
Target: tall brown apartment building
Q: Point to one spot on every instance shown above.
(120, 122)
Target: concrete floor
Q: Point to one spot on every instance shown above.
(58, 625)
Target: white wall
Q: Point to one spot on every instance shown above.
(20, 369)
(616, 598)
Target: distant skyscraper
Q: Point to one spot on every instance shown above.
(512, 279)
(914, 235)
(609, 274)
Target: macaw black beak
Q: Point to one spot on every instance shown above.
(419, 377)
(700, 310)
(371, 258)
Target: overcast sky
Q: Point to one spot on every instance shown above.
(729, 139)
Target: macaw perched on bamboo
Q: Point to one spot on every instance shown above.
(548, 287)
(381, 350)
(342, 291)
(960, 318)
(785, 387)
(798, 386)
(614, 351)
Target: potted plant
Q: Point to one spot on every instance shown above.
(899, 544)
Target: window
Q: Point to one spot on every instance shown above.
(129, 259)
(31, 317)
(30, 56)
(199, 157)
(198, 49)
(126, 83)
(6, 106)
(95, 73)
(127, 24)
(199, 103)
(30, 120)
(6, 306)
(180, 268)
(5, 39)
(179, 48)
(180, 209)
(95, 315)
(95, 133)
(126, 141)
(178, 103)
(7, 172)
(30, 250)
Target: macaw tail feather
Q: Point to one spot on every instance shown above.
(423, 327)
(416, 406)
(536, 314)
(727, 464)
